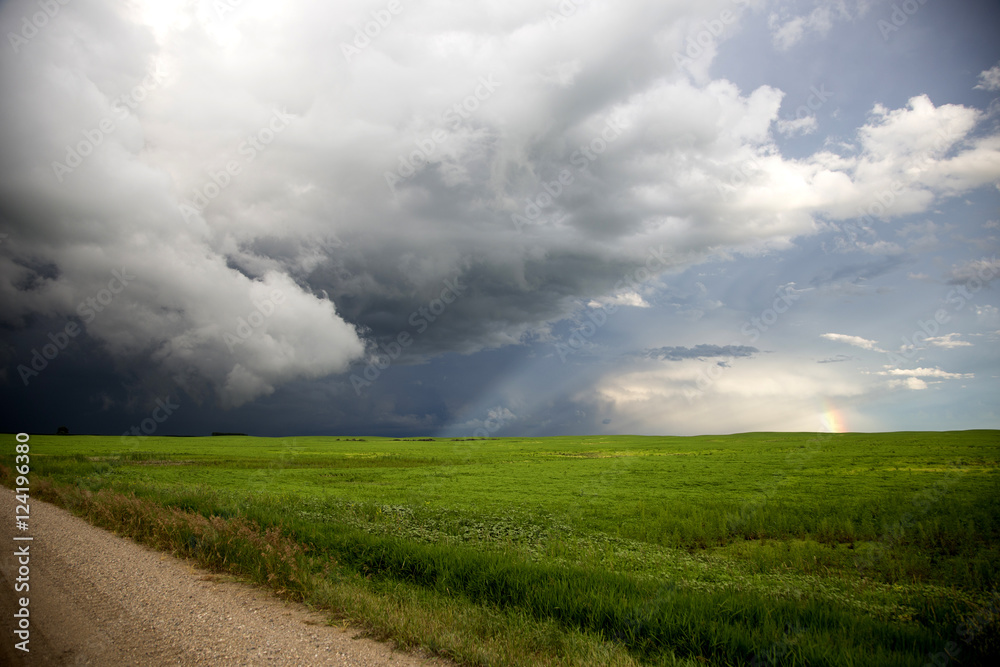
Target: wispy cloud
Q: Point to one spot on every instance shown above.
(912, 378)
(836, 360)
(926, 373)
(949, 341)
(916, 384)
(798, 126)
(701, 352)
(787, 30)
(975, 273)
(856, 341)
(989, 79)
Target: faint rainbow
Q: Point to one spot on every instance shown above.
(833, 418)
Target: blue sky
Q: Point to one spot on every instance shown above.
(512, 218)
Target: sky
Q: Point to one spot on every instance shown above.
(472, 219)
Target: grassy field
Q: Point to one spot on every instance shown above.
(753, 549)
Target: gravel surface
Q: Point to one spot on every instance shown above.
(99, 599)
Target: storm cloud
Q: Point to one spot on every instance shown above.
(291, 188)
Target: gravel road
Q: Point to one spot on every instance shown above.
(99, 599)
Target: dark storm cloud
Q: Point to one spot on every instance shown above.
(837, 359)
(701, 352)
(469, 178)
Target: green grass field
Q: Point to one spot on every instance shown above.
(752, 549)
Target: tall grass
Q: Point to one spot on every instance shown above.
(830, 563)
(408, 615)
(653, 621)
